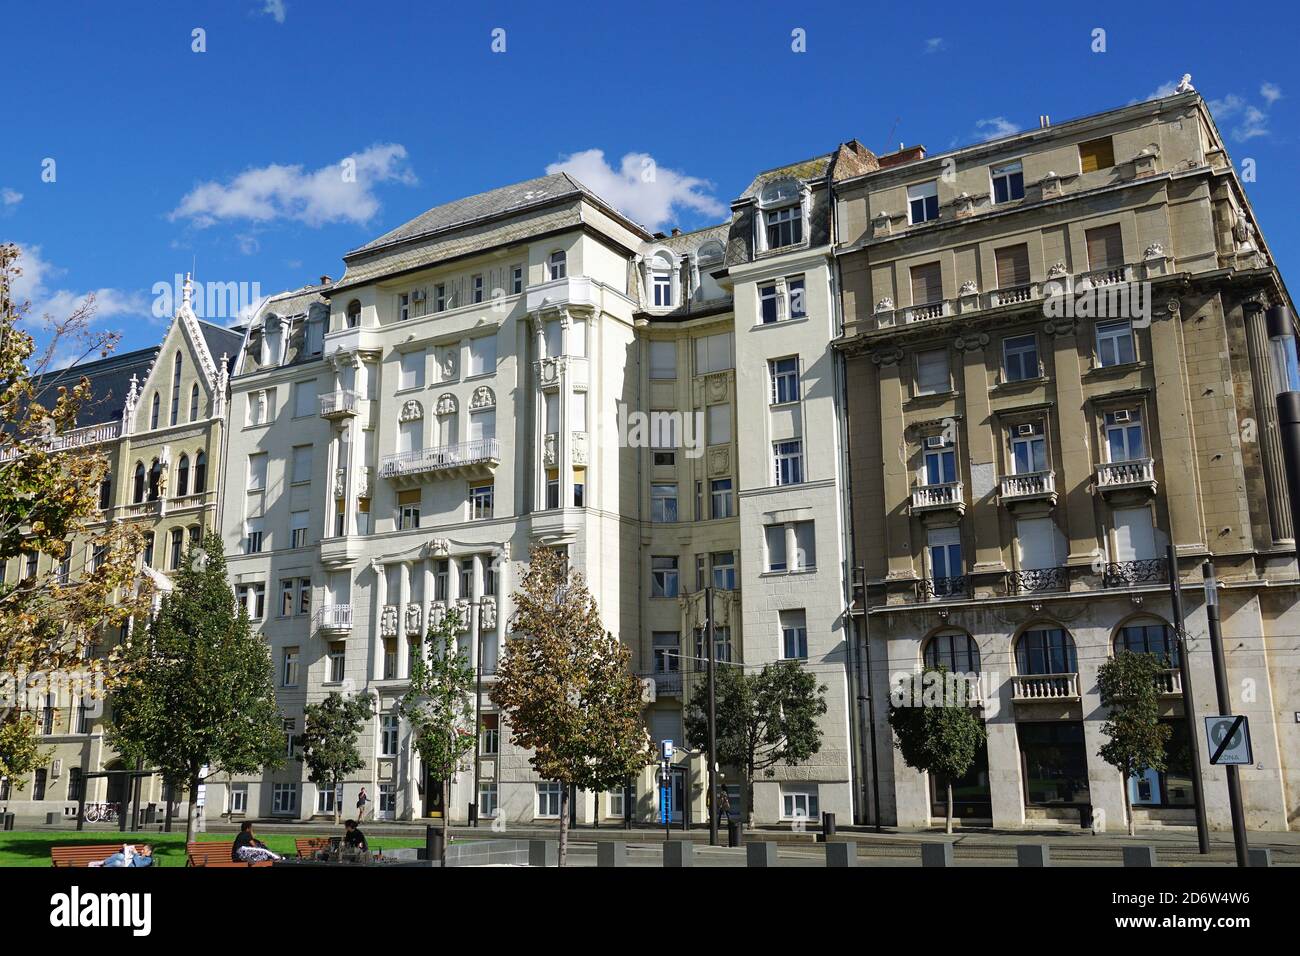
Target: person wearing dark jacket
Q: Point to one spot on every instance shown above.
(353, 838)
(248, 848)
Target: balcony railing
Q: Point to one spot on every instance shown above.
(339, 404)
(76, 438)
(1111, 275)
(1031, 580)
(667, 683)
(334, 618)
(922, 313)
(938, 497)
(1169, 682)
(1122, 475)
(1031, 486)
(442, 459)
(943, 589)
(1127, 574)
(1045, 686)
(1013, 294)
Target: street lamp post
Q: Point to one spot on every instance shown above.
(713, 721)
(1225, 708)
(476, 616)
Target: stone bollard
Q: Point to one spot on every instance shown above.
(936, 854)
(1259, 856)
(1033, 854)
(543, 853)
(762, 853)
(1139, 856)
(842, 853)
(679, 853)
(611, 854)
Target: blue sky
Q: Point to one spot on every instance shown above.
(230, 158)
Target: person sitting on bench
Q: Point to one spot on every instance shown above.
(249, 849)
(354, 841)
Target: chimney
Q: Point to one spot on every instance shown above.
(1044, 121)
(326, 280)
(676, 231)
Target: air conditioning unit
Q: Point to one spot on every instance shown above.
(417, 295)
(1122, 415)
(935, 441)
(1025, 430)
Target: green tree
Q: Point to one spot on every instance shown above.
(566, 687)
(1137, 738)
(49, 497)
(936, 729)
(329, 739)
(439, 706)
(763, 719)
(194, 696)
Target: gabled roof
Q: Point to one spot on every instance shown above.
(221, 341)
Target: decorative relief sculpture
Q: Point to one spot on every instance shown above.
(719, 461)
(1154, 251)
(1057, 270)
(437, 613)
(885, 305)
(968, 288)
(550, 451)
(488, 613)
(412, 411)
(446, 404)
(579, 448)
(715, 388)
(462, 606)
(388, 621)
(483, 398)
(414, 614)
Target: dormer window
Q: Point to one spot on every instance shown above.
(923, 202)
(781, 206)
(354, 314)
(1008, 182)
(663, 290)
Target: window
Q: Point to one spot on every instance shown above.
(239, 798)
(487, 799)
(548, 799)
(1096, 154)
(1012, 264)
(353, 314)
(1134, 534)
(315, 336)
(253, 536)
(1036, 542)
(106, 492)
(38, 790)
(1020, 358)
(1028, 448)
(298, 521)
(798, 307)
(411, 370)
(721, 647)
(955, 650)
(805, 546)
(724, 570)
(1124, 441)
(1115, 343)
(408, 509)
(774, 539)
(940, 463)
(769, 304)
(389, 725)
(927, 284)
(578, 411)
(794, 635)
(719, 424)
(287, 592)
(257, 471)
(784, 226)
(337, 658)
(663, 503)
(155, 479)
(476, 285)
(480, 501)
(1105, 247)
(663, 360)
(516, 280)
(47, 716)
(390, 658)
(200, 472)
(177, 543)
(183, 476)
(440, 297)
(1149, 638)
(74, 783)
(782, 299)
(304, 399)
(553, 338)
(714, 353)
(302, 462)
(1046, 651)
(491, 742)
(799, 802)
(944, 545)
(552, 488)
(578, 338)
(923, 202)
(667, 651)
(64, 573)
(721, 502)
(137, 485)
(784, 373)
(1055, 762)
(663, 290)
(194, 402)
(558, 266)
(1008, 182)
(615, 801)
(932, 373)
(174, 417)
(289, 667)
(98, 555)
(284, 798)
(153, 411)
(788, 461)
(252, 597)
(290, 727)
(403, 306)
(482, 355)
(663, 577)
(579, 487)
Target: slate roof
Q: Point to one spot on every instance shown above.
(110, 380)
(222, 341)
(808, 169)
(293, 302)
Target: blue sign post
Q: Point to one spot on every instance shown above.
(666, 784)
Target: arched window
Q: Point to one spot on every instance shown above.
(148, 549)
(955, 650)
(155, 479)
(137, 486)
(178, 542)
(194, 402)
(153, 411)
(1149, 637)
(354, 314)
(183, 476)
(558, 265)
(176, 390)
(781, 206)
(200, 473)
(196, 533)
(1048, 650)
(106, 492)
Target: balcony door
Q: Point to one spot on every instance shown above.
(408, 436)
(1036, 539)
(945, 553)
(1135, 538)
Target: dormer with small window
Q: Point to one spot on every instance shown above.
(662, 279)
(782, 216)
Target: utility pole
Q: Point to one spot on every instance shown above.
(713, 720)
(1189, 700)
(476, 615)
(1225, 708)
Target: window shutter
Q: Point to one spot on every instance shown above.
(927, 284)
(1013, 266)
(1096, 154)
(1105, 247)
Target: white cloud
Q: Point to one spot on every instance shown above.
(39, 274)
(248, 245)
(1161, 91)
(935, 45)
(275, 8)
(1248, 121)
(342, 191)
(647, 192)
(10, 197)
(995, 127)
(1271, 92)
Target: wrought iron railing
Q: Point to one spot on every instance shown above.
(1127, 574)
(938, 589)
(1031, 580)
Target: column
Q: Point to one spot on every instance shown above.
(379, 594)
(1076, 460)
(982, 459)
(476, 613)
(1261, 369)
(403, 598)
(332, 456)
(1181, 488)
(564, 443)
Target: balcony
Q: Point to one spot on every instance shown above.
(666, 683)
(1098, 278)
(924, 313)
(334, 619)
(479, 456)
(947, 496)
(943, 589)
(1136, 475)
(1013, 295)
(572, 292)
(1169, 682)
(1031, 486)
(76, 438)
(1037, 580)
(1045, 687)
(339, 405)
(1128, 574)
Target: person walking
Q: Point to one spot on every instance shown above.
(362, 800)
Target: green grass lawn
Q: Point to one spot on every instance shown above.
(32, 847)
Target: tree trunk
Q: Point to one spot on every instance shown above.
(446, 812)
(564, 823)
(948, 822)
(337, 801)
(749, 799)
(192, 807)
(1128, 810)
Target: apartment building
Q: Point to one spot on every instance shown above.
(159, 415)
(1057, 365)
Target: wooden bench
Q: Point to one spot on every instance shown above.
(86, 855)
(308, 847)
(214, 854)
